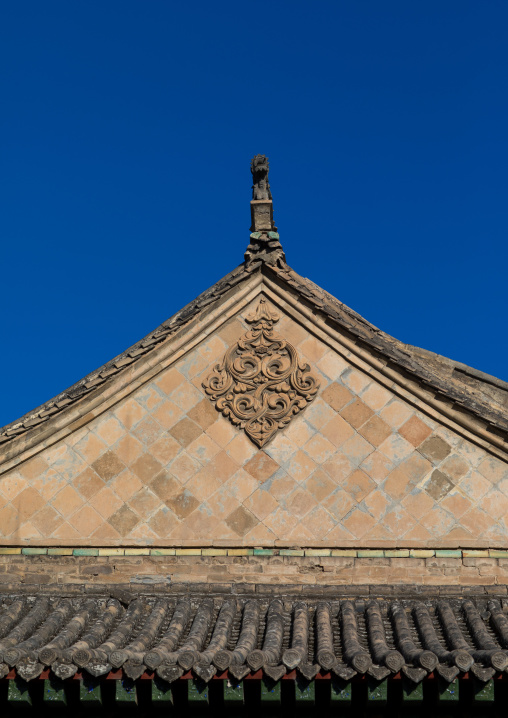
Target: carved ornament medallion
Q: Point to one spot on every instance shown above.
(261, 383)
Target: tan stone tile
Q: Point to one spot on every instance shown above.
(396, 413)
(356, 449)
(338, 467)
(148, 431)
(358, 523)
(241, 485)
(222, 503)
(106, 502)
(130, 413)
(165, 449)
(90, 447)
(377, 466)
(415, 431)
(336, 395)
(319, 448)
(318, 523)
(184, 467)
(455, 467)
(165, 486)
(163, 522)
(222, 431)
(212, 349)
(48, 484)
(439, 485)
(27, 503)
(300, 466)
(318, 413)
(493, 469)
(167, 414)
(438, 522)
(398, 520)
(319, 485)
(261, 504)
(231, 331)
(109, 430)
(67, 501)
(203, 484)
(185, 431)
(312, 348)
(260, 535)
(203, 448)
(495, 504)
(105, 532)
(338, 536)
(241, 449)
(418, 503)
(376, 396)
(193, 364)
(399, 483)
(292, 331)
(144, 532)
(12, 484)
(46, 521)
(359, 485)
(396, 448)
(144, 502)
(356, 413)
(169, 380)
(149, 396)
(241, 521)
(108, 466)
(299, 431)
(86, 520)
(280, 485)
(66, 532)
(68, 463)
(375, 430)
(124, 520)
(125, 485)
(376, 503)
(128, 449)
(435, 449)
(339, 504)
(261, 466)
(33, 468)
(418, 534)
(332, 365)
(88, 483)
(281, 448)
(55, 453)
(281, 522)
(356, 380)
(204, 414)
(183, 504)
(199, 526)
(186, 396)
(475, 486)
(146, 468)
(9, 520)
(27, 531)
(456, 504)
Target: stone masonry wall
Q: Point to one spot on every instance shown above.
(433, 568)
(358, 467)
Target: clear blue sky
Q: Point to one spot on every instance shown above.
(127, 130)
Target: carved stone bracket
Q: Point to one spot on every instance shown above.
(261, 383)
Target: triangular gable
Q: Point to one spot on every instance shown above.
(373, 456)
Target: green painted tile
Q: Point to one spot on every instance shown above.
(305, 691)
(54, 693)
(371, 553)
(17, 693)
(377, 691)
(161, 692)
(291, 552)
(483, 692)
(85, 552)
(448, 553)
(35, 551)
(411, 692)
(448, 691)
(233, 694)
(125, 693)
(498, 553)
(270, 692)
(197, 692)
(340, 692)
(397, 553)
(263, 551)
(90, 692)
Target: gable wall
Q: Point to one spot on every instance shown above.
(359, 467)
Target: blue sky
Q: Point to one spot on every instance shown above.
(127, 130)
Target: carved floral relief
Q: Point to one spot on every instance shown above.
(261, 383)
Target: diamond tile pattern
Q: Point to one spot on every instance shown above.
(357, 465)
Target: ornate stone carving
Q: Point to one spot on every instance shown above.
(261, 383)
(259, 166)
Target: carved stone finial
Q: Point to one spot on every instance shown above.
(261, 382)
(259, 167)
(264, 241)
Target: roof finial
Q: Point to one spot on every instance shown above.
(264, 241)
